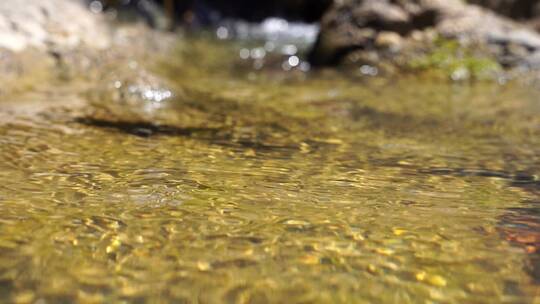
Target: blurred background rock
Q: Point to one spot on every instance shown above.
(375, 35)
(516, 9)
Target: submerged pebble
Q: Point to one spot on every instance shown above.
(270, 188)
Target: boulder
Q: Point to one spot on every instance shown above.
(51, 24)
(515, 9)
(364, 25)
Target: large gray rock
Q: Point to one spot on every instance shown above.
(515, 9)
(63, 24)
(525, 11)
(47, 43)
(352, 25)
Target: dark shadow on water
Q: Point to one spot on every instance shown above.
(144, 129)
(516, 179)
(217, 136)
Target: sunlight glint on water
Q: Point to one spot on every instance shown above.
(277, 189)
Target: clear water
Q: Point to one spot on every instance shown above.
(271, 187)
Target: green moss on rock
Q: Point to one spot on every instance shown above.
(449, 58)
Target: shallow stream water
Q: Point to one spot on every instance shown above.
(272, 186)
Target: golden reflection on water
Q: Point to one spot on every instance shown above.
(280, 189)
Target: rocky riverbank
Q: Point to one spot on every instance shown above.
(46, 43)
(36, 35)
(48, 25)
(451, 37)
(407, 33)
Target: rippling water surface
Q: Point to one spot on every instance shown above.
(273, 187)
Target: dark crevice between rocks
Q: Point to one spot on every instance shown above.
(420, 21)
(318, 60)
(425, 19)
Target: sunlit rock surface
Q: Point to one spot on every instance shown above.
(47, 24)
(45, 40)
(356, 26)
(517, 9)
